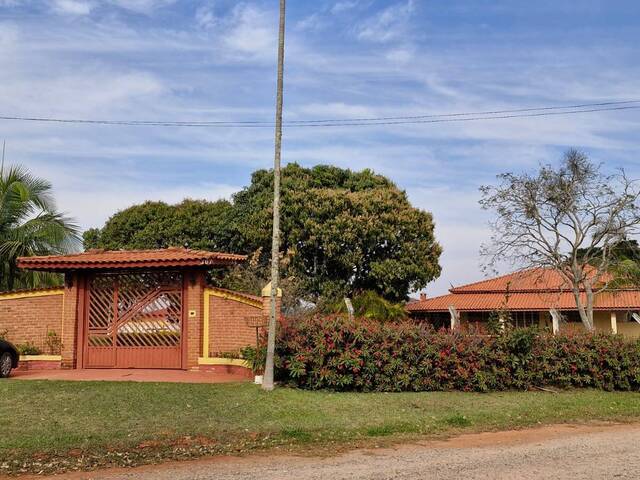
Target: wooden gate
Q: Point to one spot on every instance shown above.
(134, 320)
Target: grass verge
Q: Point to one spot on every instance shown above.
(50, 426)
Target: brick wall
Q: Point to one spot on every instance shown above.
(228, 331)
(29, 319)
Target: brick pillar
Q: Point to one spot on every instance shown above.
(194, 306)
(73, 284)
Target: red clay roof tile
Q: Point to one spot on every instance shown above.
(126, 259)
(540, 301)
(533, 280)
(248, 296)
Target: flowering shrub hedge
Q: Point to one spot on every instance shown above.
(363, 355)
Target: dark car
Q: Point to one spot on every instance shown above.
(8, 358)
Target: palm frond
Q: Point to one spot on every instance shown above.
(30, 225)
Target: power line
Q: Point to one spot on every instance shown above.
(372, 121)
(470, 119)
(444, 115)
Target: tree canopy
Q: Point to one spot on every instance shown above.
(197, 224)
(343, 232)
(30, 225)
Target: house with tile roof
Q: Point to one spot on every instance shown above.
(535, 297)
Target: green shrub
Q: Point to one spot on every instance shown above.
(28, 348)
(364, 355)
(255, 357)
(54, 344)
(231, 354)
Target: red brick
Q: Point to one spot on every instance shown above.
(30, 319)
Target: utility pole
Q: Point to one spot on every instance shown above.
(267, 382)
(4, 145)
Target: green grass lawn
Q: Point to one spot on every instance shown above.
(53, 418)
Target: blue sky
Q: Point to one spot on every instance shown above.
(215, 60)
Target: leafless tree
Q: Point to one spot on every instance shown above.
(568, 219)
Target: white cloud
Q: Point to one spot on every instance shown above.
(400, 55)
(142, 6)
(343, 6)
(73, 7)
(313, 22)
(86, 92)
(335, 110)
(247, 32)
(326, 17)
(251, 31)
(206, 16)
(389, 24)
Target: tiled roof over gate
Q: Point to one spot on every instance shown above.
(127, 259)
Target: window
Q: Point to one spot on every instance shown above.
(525, 319)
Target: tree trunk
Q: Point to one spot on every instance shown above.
(590, 302)
(585, 315)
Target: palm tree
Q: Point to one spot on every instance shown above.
(30, 225)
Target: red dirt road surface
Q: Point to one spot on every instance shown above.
(554, 452)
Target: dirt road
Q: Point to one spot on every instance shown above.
(559, 452)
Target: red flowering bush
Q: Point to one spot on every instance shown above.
(364, 355)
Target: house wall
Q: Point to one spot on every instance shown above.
(629, 329)
(602, 321)
(30, 316)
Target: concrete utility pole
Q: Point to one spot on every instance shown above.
(267, 382)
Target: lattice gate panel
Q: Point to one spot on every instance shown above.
(134, 320)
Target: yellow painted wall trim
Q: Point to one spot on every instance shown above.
(233, 296)
(41, 293)
(205, 324)
(266, 291)
(237, 362)
(62, 318)
(40, 358)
